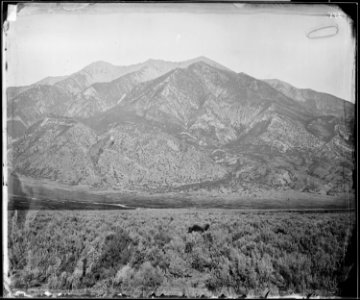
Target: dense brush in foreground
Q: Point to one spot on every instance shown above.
(145, 252)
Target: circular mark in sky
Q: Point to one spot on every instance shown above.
(323, 31)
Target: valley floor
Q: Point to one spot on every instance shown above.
(150, 252)
(26, 194)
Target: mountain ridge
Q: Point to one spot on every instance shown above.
(54, 79)
(280, 81)
(196, 128)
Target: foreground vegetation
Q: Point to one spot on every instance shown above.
(150, 251)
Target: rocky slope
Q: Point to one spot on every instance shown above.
(324, 104)
(126, 156)
(196, 128)
(56, 149)
(35, 103)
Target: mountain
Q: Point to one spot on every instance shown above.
(96, 72)
(93, 89)
(323, 103)
(189, 127)
(101, 71)
(53, 95)
(101, 96)
(56, 96)
(262, 137)
(212, 104)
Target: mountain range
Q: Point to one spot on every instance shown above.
(193, 126)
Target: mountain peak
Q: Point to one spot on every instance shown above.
(205, 67)
(200, 63)
(202, 58)
(100, 64)
(208, 61)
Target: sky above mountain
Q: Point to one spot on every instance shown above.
(264, 42)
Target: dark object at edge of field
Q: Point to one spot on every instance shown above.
(198, 228)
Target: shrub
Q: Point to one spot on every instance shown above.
(246, 252)
(143, 282)
(188, 247)
(117, 251)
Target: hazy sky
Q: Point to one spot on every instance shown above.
(264, 43)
